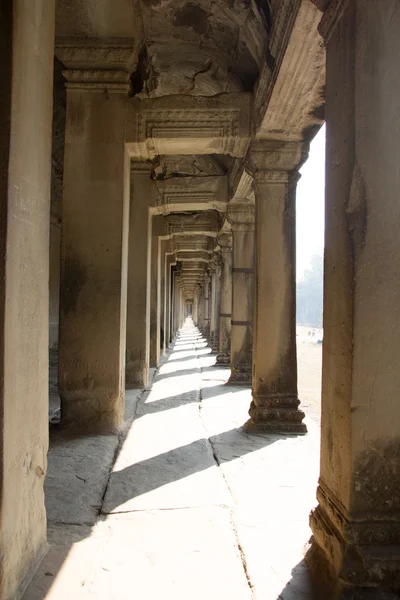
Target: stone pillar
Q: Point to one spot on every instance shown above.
(164, 244)
(139, 280)
(170, 261)
(215, 302)
(356, 526)
(195, 312)
(176, 302)
(27, 51)
(241, 217)
(94, 251)
(158, 229)
(207, 303)
(275, 403)
(225, 315)
(200, 308)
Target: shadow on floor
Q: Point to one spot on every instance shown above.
(178, 463)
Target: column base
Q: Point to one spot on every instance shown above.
(215, 348)
(353, 560)
(240, 376)
(276, 414)
(100, 411)
(223, 359)
(136, 376)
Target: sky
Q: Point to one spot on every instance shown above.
(310, 205)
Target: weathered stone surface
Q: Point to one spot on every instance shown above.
(27, 52)
(77, 476)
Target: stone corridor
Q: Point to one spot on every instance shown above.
(183, 504)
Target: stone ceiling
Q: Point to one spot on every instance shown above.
(183, 47)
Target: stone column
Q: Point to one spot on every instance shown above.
(200, 308)
(241, 218)
(139, 279)
(170, 261)
(27, 51)
(158, 229)
(207, 303)
(215, 302)
(195, 313)
(356, 525)
(275, 403)
(225, 315)
(94, 251)
(164, 243)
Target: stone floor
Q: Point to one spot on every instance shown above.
(183, 504)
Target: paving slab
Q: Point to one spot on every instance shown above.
(192, 507)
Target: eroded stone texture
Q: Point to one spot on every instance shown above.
(225, 315)
(139, 277)
(241, 217)
(26, 49)
(275, 400)
(356, 525)
(94, 259)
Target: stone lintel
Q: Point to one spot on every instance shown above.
(189, 125)
(192, 256)
(179, 194)
(289, 97)
(196, 224)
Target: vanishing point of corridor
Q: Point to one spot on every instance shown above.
(184, 504)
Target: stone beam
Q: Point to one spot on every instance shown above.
(179, 194)
(193, 256)
(289, 97)
(189, 125)
(195, 224)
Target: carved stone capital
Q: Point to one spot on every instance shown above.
(274, 160)
(97, 80)
(112, 54)
(241, 216)
(97, 65)
(224, 241)
(141, 167)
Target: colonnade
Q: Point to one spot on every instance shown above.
(127, 277)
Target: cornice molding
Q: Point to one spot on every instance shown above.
(189, 125)
(97, 80)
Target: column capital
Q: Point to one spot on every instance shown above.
(138, 166)
(96, 66)
(276, 160)
(241, 216)
(224, 241)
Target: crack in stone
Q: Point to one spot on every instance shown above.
(218, 464)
